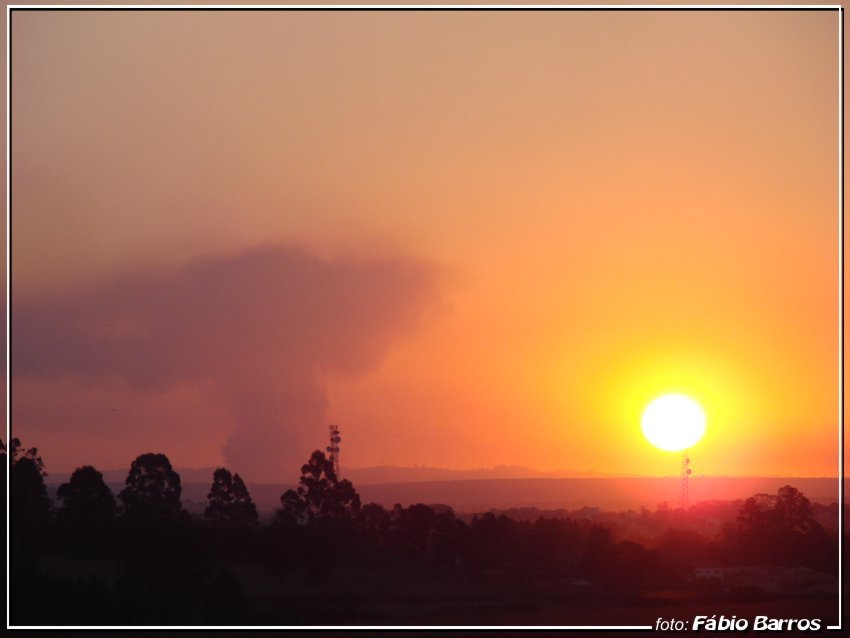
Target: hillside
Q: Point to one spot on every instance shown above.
(476, 495)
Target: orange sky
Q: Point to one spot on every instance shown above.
(536, 221)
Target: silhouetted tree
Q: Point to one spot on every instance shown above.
(373, 529)
(681, 551)
(3, 473)
(86, 498)
(229, 501)
(492, 540)
(554, 542)
(87, 515)
(19, 454)
(599, 548)
(781, 529)
(448, 534)
(373, 521)
(320, 494)
(165, 558)
(409, 529)
(29, 520)
(621, 568)
(420, 532)
(29, 505)
(3, 460)
(152, 489)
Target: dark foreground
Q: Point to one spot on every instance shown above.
(325, 559)
(83, 592)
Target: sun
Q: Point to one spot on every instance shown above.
(673, 422)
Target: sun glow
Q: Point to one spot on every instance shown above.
(673, 422)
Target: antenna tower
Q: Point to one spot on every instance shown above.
(333, 448)
(686, 471)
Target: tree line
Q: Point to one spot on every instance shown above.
(169, 567)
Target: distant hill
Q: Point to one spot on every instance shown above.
(477, 495)
(377, 474)
(187, 475)
(396, 474)
(611, 494)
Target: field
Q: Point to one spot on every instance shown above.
(388, 597)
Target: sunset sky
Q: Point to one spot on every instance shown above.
(468, 238)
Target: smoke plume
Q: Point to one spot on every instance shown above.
(256, 332)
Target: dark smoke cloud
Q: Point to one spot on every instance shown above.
(258, 330)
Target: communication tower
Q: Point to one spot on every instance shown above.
(333, 448)
(686, 471)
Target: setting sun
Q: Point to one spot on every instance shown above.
(673, 422)
(317, 313)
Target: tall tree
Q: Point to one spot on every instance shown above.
(164, 558)
(320, 494)
(152, 489)
(3, 473)
(780, 529)
(19, 453)
(229, 500)
(88, 507)
(29, 505)
(788, 511)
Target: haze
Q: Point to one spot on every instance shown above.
(469, 238)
